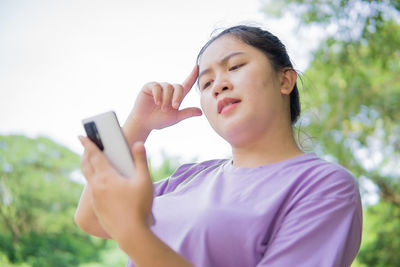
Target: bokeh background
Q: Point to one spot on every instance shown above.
(61, 61)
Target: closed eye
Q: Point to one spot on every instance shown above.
(207, 84)
(235, 67)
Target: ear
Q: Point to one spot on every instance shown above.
(288, 80)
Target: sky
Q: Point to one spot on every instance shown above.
(62, 61)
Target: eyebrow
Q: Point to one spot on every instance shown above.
(223, 61)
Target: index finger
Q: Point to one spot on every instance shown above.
(95, 156)
(190, 80)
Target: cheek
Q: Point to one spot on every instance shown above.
(254, 78)
(202, 101)
(206, 104)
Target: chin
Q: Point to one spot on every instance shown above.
(236, 135)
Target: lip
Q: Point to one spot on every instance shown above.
(226, 102)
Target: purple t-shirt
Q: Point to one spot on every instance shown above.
(302, 211)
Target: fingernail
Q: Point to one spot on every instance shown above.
(80, 137)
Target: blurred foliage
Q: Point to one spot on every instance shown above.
(40, 186)
(348, 16)
(165, 169)
(351, 97)
(112, 255)
(382, 222)
(37, 204)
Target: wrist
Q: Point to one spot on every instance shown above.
(146, 249)
(131, 241)
(135, 131)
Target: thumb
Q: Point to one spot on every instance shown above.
(140, 159)
(189, 112)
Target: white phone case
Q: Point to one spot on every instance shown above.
(105, 131)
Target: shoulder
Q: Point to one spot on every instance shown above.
(184, 172)
(191, 168)
(318, 178)
(323, 203)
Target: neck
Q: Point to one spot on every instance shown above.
(268, 148)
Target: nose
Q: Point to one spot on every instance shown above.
(221, 86)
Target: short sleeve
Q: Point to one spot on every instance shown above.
(184, 172)
(160, 186)
(322, 230)
(169, 184)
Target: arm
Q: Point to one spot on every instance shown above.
(146, 249)
(156, 107)
(85, 217)
(123, 207)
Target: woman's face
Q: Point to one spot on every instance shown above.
(240, 92)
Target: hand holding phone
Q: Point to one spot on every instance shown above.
(104, 130)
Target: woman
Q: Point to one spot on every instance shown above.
(270, 205)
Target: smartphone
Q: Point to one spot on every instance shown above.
(104, 130)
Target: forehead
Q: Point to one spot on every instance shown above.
(222, 47)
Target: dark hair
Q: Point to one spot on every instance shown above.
(272, 47)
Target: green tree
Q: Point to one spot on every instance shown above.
(38, 197)
(37, 201)
(166, 168)
(351, 109)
